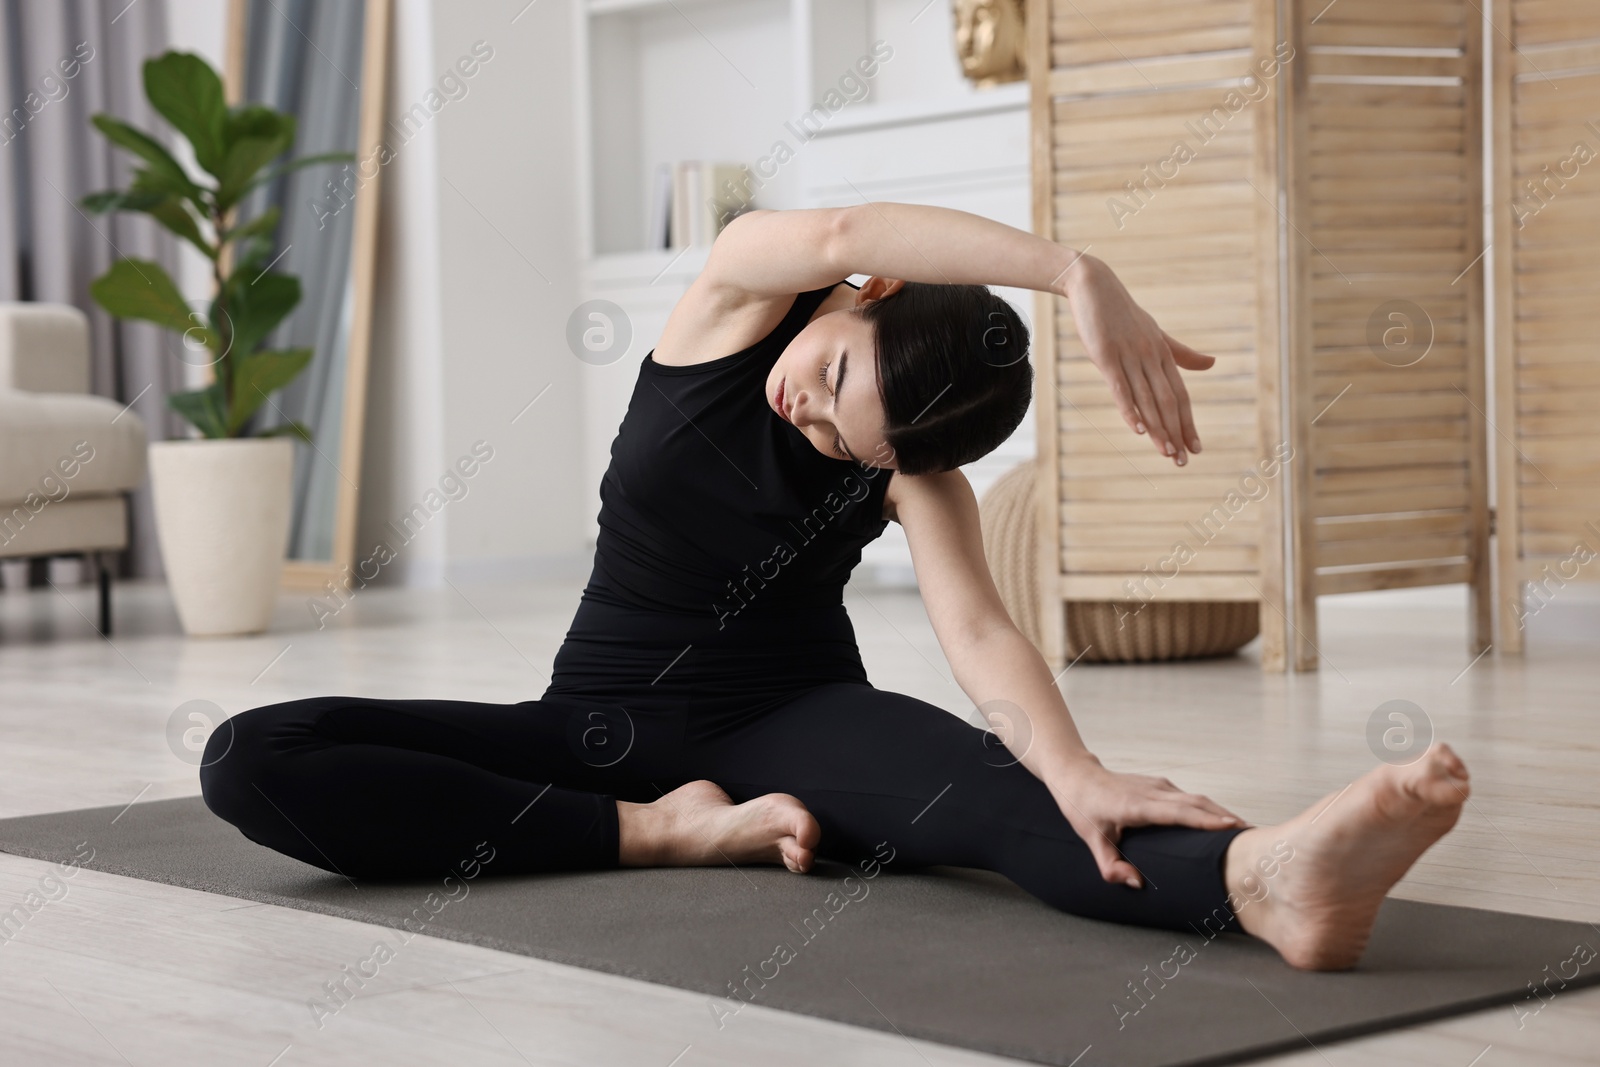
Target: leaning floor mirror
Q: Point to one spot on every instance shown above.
(323, 62)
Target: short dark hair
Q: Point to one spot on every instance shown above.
(953, 373)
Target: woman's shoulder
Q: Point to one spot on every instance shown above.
(928, 499)
(712, 321)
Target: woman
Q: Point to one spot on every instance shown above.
(709, 705)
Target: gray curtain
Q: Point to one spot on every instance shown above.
(304, 57)
(49, 157)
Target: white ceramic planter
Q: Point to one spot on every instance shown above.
(222, 516)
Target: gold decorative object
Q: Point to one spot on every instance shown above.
(991, 39)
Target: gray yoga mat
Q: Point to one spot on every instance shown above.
(949, 954)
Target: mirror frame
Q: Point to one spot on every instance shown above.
(315, 574)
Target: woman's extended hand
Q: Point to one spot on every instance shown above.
(1139, 359)
(1100, 804)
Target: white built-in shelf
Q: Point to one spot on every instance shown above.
(613, 7)
(728, 81)
(621, 270)
(1012, 96)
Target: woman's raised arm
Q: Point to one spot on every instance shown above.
(774, 252)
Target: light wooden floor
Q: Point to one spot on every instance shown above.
(121, 971)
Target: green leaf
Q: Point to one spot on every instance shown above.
(254, 136)
(140, 289)
(205, 408)
(261, 226)
(295, 164)
(259, 375)
(245, 158)
(251, 255)
(184, 89)
(171, 211)
(175, 215)
(298, 429)
(117, 200)
(256, 304)
(257, 120)
(149, 180)
(150, 150)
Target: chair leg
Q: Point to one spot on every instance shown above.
(103, 574)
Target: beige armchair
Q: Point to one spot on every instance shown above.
(67, 459)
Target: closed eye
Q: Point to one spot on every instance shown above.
(838, 445)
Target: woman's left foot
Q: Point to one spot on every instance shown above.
(699, 825)
(1325, 872)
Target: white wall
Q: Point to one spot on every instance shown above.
(507, 283)
(477, 247)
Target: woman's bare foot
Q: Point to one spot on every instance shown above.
(1311, 887)
(698, 825)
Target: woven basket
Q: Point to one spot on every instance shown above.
(1100, 631)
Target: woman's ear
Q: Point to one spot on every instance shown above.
(875, 288)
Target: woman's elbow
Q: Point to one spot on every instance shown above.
(983, 629)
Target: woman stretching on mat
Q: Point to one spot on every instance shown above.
(709, 705)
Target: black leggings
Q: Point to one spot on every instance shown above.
(410, 788)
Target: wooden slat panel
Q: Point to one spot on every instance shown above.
(1142, 459)
(1180, 230)
(1087, 44)
(1328, 32)
(1069, 18)
(1383, 502)
(1235, 438)
(1225, 10)
(1117, 512)
(1179, 241)
(1391, 66)
(1155, 537)
(1332, 141)
(1399, 576)
(1204, 559)
(1444, 522)
(1106, 499)
(1574, 56)
(1537, 22)
(1121, 76)
(1051, 315)
(1381, 13)
(1391, 550)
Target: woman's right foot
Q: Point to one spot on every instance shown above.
(1349, 849)
(699, 825)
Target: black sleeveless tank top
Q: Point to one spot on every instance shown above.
(725, 543)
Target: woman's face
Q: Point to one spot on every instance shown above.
(826, 381)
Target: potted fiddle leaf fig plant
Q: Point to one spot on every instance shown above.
(222, 500)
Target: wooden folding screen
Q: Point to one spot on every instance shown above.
(1147, 154)
(1546, 151)
(1234, 161)
(1387, 397)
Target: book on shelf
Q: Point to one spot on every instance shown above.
(697, 198)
